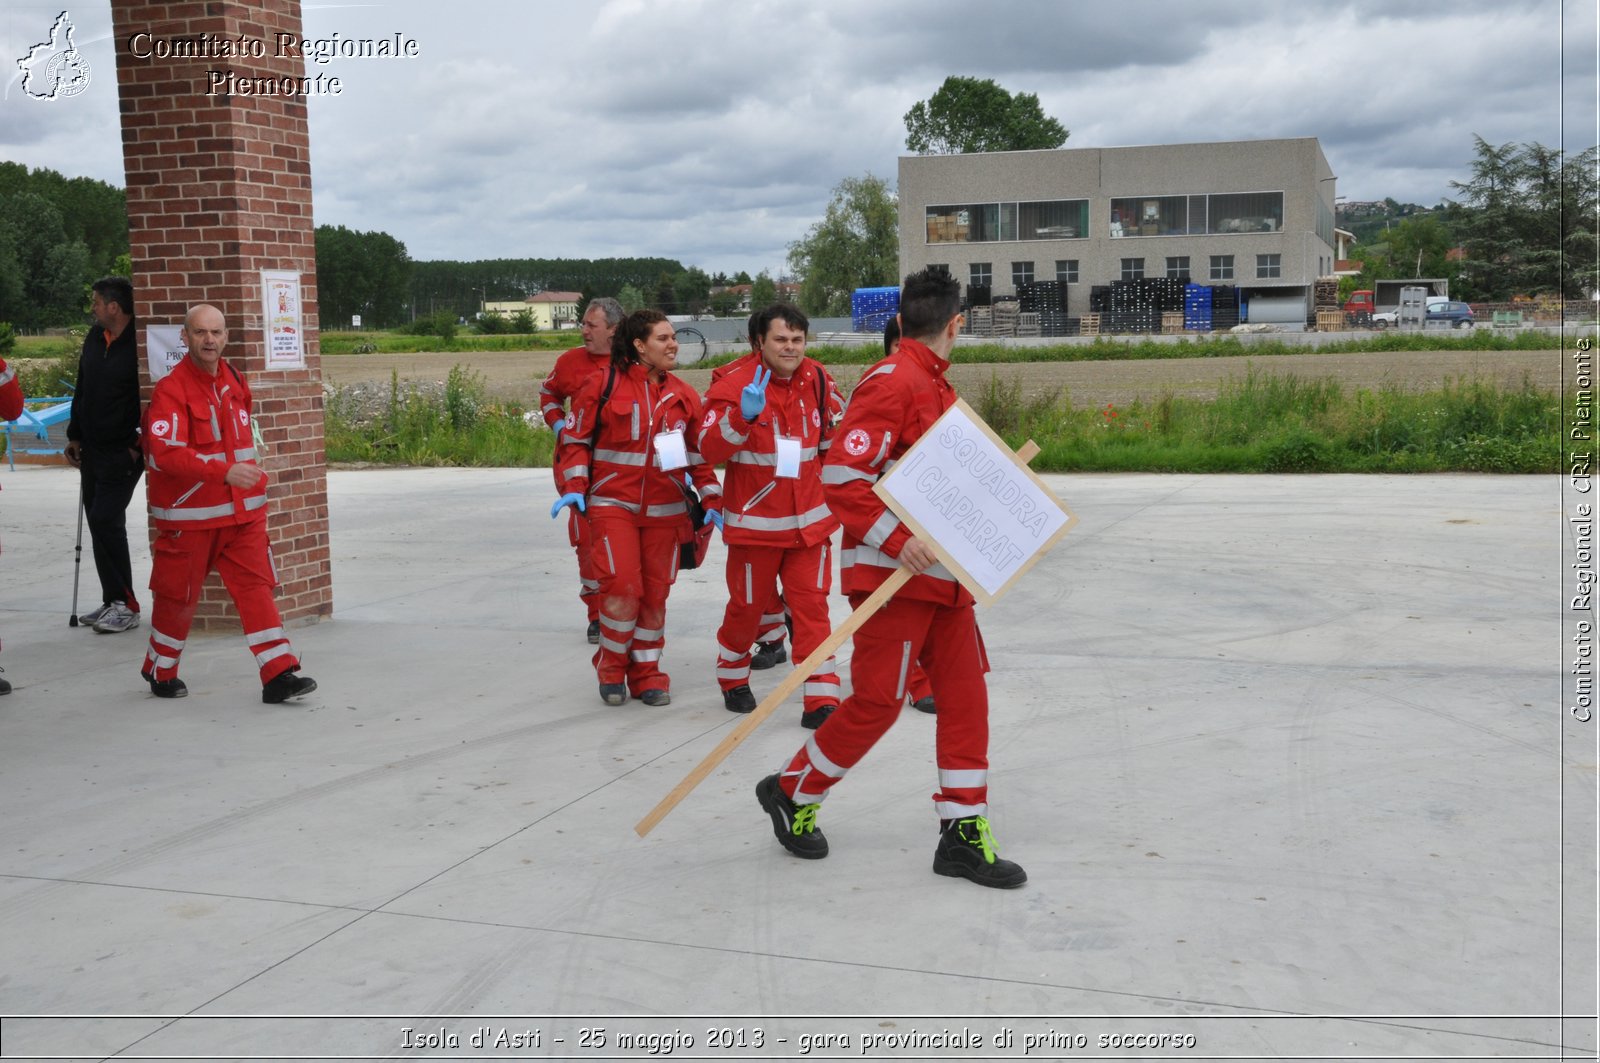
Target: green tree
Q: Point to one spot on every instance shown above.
(362, 273)
(691, 290)
(631, 298)
(855, 245)
(42, 270)
(968, 115)
(763, 292)
(725, 304)
(1530, 226)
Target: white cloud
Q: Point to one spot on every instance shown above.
(713, 131)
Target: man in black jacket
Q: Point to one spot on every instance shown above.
(103, 444)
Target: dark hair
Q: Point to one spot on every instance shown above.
(928, 300)
(789, 315)
(117, 290)
(636, 326)
(891, 336)
(754, 328)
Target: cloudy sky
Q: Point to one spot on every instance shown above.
(712, 131)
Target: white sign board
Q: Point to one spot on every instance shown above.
(163, 349)
(282, 326)
(986, 514)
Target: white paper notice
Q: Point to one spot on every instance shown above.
(788, 458)
(988, 515)
(671, 451)
(163, 349)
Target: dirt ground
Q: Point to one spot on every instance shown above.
(516, 375)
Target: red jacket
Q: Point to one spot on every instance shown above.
(10, 393)
(195, 427)
(896, 401)
(759, 508)
(609, 454)
(567, 377)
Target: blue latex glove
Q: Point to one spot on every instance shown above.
(567, 500)
(561, 422)
(714, 516)
(753, 399)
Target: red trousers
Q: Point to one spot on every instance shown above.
(887, 647)
(582, 540)
(753, 575)
(635, 565)
(240, 554)
(917, 685)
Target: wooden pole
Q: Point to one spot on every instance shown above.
(875, 601)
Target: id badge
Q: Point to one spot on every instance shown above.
(671, 451)
(788, 458)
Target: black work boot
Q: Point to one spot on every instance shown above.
(811, 719)
(739, 699)
(768, 654)
(166, 688)
(594, 633)
(795, 826)
(286, 685)
(967, 850)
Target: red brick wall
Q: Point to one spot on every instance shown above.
(219, 188)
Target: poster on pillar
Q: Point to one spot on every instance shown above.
(163, 349)
(282, 325)
(987, 515)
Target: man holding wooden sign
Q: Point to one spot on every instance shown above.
(931, 617)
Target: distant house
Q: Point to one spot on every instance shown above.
(550, 310)
(788, 292)
(555, 309)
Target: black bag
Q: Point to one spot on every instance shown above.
(692, 553)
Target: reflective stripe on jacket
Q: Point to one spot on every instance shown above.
(759, 508)
(608, 452)
(194, 428)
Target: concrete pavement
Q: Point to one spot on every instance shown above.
(1283, 757)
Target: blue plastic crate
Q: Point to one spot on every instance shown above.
(871, 308)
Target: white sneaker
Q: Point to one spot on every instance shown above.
(118, 617)
(90, 619)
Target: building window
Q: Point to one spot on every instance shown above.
(1067, 270)
(1269, 266)
(1021, 273)
(1132, 269)
(1150, 216)
(1177, 265)
(1247, 212)
(1058, 219)
(1061, 219)
(981, 273)
(1222, 267)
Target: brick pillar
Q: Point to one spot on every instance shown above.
(219, 188)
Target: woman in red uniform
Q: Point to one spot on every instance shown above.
(623, 458)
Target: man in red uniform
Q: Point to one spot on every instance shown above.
(208, 500)
(10, 410)
(930, 618)
(571, 371)
(769, 420)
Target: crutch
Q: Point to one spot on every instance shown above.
(77, 560)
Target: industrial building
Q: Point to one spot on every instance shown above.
(1252, 220)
